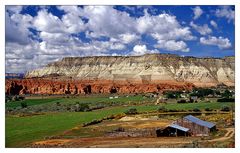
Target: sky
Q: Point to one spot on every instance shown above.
(38, 35)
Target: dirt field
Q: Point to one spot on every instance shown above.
(95, 136)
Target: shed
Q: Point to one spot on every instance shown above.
(197, 126)
(173, 130)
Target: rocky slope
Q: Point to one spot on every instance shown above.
(128, 74)
(149, 68)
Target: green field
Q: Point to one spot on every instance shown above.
(24, 130)
(31, 102)
(90, 100)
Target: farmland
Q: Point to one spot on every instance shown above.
(24, 130)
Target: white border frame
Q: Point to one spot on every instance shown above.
(117, 2)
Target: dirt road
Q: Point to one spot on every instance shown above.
(228, 135)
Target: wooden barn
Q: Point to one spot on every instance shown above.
(196, 126)
(173, 130)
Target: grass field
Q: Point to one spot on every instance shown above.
(200, 105)
(23, 130)
(90, 100)
(31, 102)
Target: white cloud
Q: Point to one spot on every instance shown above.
(57, 40)
(214, 24)
(222, 43)
(17, 28)
(203, 30)
(128, 38)
(47, 22)
(172, 45)
(106, 21)
(197, 12)
(226, 12)
(14, 8)
(142, 49)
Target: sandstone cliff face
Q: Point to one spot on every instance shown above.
(50, 86)
(146, 69)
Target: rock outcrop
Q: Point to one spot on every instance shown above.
(50, 86)
(125, 74)
(149, 68)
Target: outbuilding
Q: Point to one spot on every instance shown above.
(196, 126)
(173, 130)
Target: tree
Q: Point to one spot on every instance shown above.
(82, 107)
(225, 109)
(227, 94)
(131, 111)
(23, 104)
(162, 109)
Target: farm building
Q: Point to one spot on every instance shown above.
(173, 130)
(197, 126)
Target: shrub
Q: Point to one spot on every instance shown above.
(182, 101)
(225, 109)
(83, 107)
(208, 109)
(196, 110)
(162, 109)
(131, 111)
(119, 129)
(226, 100)
(58, 104)
(23, 104)
(172, 110)
(92, 122)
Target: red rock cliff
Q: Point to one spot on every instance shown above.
(50, 86)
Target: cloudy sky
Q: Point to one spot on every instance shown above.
(37, 35)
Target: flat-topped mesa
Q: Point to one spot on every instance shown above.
(146, 69)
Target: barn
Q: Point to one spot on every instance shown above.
(173, 130)
(196, 126)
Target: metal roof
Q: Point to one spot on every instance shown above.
(179, 127)
(199, 122)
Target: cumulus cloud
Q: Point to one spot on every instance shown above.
(226, 12)
(142, 49)
(17, 28)
(197, 12)
(47, 22)
(203, 30)
(33, 41)
(172, 45)
(222, 43)
(214, 24)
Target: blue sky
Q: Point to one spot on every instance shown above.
(37, 35)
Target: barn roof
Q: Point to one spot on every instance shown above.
(178, 127)
(199, 122)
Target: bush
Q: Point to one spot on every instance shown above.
(182, 101)
(58, 104)
(83, 107)
(196, 110)
(226, 100)
(23, 104)
(208, 109)
(119, 129)
(162, 109)
(227, 94)
(92, 122)
(172, 110)
(131, 111)
(225, 109)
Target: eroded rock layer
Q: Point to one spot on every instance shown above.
(149, 68)
(47, 86)
(125, 74)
